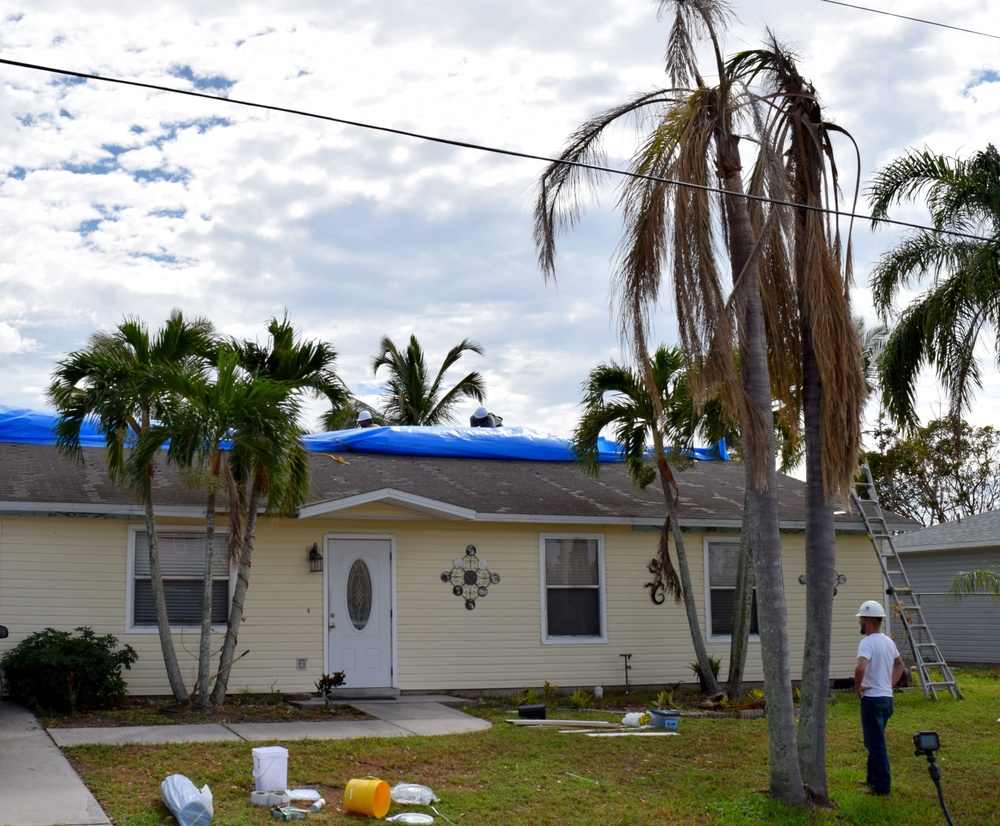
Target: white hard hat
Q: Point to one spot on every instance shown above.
(364, 416)
(871, 608)
(481, 413)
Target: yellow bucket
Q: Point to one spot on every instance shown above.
(369, 796)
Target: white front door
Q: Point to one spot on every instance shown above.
(359, 620)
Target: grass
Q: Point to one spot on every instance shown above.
(714, 772)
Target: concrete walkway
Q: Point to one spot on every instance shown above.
(38, 787)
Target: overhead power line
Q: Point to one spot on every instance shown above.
(914, 19)
(478, 147)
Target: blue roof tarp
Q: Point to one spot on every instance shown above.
(459, 442)
(24, 426)
(34, 427)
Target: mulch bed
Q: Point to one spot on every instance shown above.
(148, 711)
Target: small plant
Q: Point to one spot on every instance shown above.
(714, 663)
(328, 684)
(580, 699)
(665, 699)
(549, 692)
(54, 670)
(525, 698)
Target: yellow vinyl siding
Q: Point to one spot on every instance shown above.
(64, 572)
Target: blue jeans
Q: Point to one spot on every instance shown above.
(875, 713)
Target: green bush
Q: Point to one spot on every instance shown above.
(56, 671)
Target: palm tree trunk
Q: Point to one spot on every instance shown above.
(761, 515)
(204, 701)
(694, 623)
(742, 613)
(226, 658)
(820, 573)
(174, 676)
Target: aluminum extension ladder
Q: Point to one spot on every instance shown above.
(932, 670)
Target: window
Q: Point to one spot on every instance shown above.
(572, 588)
(182, 561)
(721, 561)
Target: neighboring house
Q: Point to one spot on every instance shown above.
(967, 630)
(439, 572)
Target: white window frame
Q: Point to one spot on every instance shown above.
(601, 588)
(130, 625)
(709, 632)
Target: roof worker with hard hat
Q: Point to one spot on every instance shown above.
(878, 670)
(365, 419)
(482, 418)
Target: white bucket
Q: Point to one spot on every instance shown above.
(270, 768)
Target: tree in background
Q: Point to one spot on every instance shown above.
(670, 213)
(940, 328)
(618, 398)
(117, 381)
(945, 470)
(412, 396)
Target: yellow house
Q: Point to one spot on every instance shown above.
(411, 572)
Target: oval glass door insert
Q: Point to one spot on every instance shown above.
(359, 594)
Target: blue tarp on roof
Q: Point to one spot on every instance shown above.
(24, 426)
(459, 442)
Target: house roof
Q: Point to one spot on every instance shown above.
(979, 531)
(37, 479)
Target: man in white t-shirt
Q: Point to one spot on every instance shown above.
(879, 669)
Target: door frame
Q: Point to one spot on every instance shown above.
(328, 540)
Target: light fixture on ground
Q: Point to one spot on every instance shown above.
(926, 743)
(315, 560)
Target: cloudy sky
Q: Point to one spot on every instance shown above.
(124, 201)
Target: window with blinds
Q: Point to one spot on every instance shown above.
(572, 585)
(182, 561)
(722, 561)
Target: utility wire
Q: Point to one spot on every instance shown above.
(914, 19)
(483, 148)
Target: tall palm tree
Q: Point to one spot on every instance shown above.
(299, 368)
(117, 380)
(942, 326)
(695, 140)
(411, 396)
(615, 396)
(833, 386)
(226, 422)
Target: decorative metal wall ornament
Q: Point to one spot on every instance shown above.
(658, 594)
(470, 577)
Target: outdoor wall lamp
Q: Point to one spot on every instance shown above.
(315, 560)
(838, 579)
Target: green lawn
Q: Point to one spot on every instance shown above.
(714, 772)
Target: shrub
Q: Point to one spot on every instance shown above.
(57, 671)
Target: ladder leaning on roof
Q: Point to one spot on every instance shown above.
(933, 671)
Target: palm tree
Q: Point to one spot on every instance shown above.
(695, 142)
(941, 327)
(411, 396)
(117, 380)
(225, 424)
(616, 397)
(832, 375)
(986, 580)
(279, 477)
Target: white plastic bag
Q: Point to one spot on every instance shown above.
(413, 793)
(190, 806)
(635, 719)
(410, 817)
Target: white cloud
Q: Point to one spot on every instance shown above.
(119, 200)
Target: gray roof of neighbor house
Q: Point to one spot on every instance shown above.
(37, 479)
(979, 531)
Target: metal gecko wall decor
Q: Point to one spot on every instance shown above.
(470, 577)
